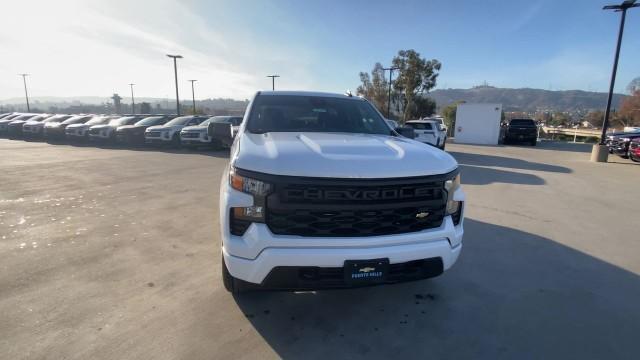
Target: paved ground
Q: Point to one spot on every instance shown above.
(114, 254)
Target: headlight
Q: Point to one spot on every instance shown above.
(248, 185)
(625, 139)
(241, 217)
(450, 186)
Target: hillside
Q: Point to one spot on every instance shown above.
(526, 99)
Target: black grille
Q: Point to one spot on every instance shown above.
(153, 134)
(346, 207)
(94, 131)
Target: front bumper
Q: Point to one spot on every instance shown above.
(129, 138)
(32, 131)
(256, 255)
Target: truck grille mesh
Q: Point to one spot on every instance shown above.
(343, 210)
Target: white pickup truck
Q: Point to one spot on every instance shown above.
(321, 193)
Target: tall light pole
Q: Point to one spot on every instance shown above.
(133, 103)
(390, 69)
(273, 81)
(175, 70)
(26, 95)
(627, 4)
(193, 96)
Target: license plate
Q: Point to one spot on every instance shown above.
(360, 272)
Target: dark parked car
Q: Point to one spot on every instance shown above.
(56, 130)
(619, 145)
(14, 128)
(4, 123)
(134, 134)
(614, 135)
(197, 135)
(634, 149)
(520, 131)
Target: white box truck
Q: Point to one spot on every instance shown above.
(478, 123)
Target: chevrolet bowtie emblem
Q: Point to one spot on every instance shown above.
(366, 269)
(422, 215)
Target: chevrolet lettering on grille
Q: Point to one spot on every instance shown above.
(346, 194)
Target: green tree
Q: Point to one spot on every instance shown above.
(375, 88)
(634, 86)
(559, 119)
(416, 76)
(449, 115)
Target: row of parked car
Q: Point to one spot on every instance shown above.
(625, 144)
(173, 130)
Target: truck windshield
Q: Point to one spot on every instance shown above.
(291, 113)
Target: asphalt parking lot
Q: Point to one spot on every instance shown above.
(114, 254)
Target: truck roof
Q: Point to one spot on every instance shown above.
(307, 93)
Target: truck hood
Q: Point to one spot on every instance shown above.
(339, 155)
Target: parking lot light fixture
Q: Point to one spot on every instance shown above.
(133, 103)
(600, 153)
(623, 7)
(193, 95)
(390, 69)
(26, 95)
(175, 71)
(273, 81)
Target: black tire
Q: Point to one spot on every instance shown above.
(534, 142)
(633, 158)
(231, 284)
(175, 141)
(443, 145)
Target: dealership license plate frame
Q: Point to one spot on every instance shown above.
(366, 271)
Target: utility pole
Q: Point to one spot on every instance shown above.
(390, 69)
(175, 70)
(627, 4)
(26, 95)
(133, 103)
(193, 96)
(273, 81)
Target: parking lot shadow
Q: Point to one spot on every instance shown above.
(475, 159)
(478, 175)
(512, 294)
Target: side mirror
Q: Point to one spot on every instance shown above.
(221, 132)
(406, 131)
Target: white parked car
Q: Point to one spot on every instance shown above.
(428, 132)
(107, 132)
(319, 193)
(81, 131)
(36, 128)
(169, 133)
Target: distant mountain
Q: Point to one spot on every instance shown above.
(527, 99)
(79, 103)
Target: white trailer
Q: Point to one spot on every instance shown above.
(478, 123)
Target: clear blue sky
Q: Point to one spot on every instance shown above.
(97, 47)
(543, 44)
